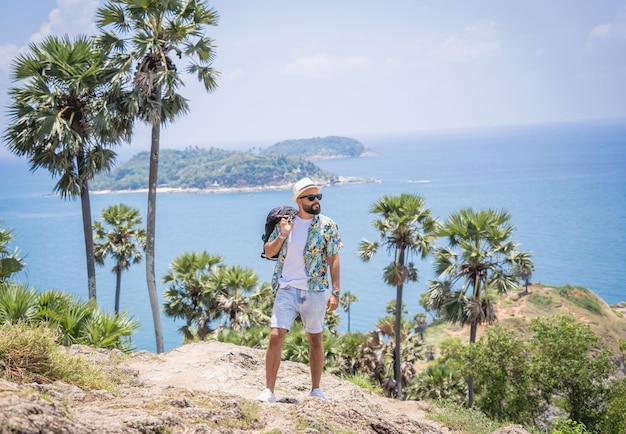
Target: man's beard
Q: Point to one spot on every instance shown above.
(313, 209)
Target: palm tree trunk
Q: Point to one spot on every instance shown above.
(472, 340)
(88, 233)
(396, 351)
(118, 287)
(151, 226)
(470, 380)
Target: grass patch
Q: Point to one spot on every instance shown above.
(617, 312)
(542, 301)
(364, 382)
(30, 353)
(457, 417)
(581, 297)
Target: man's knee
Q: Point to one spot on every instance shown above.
(315, 339)
(277, 336)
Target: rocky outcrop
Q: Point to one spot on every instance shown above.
(206, 387)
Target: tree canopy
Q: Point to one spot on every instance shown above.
(203, 168)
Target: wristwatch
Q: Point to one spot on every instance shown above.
(336, 293)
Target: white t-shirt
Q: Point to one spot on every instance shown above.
(293, 268)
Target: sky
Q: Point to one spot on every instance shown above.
(361, 68)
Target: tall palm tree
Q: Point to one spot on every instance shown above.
(123, 240)
(65, 117)
(346, 300)
(477, 262)
(405, 227)
(157, 30)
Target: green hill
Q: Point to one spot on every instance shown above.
(320, 148)
(515, 310)
(199, 168)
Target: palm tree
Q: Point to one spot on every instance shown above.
(158, 30)
(346, 300)
(10, 263)
(479, 259)
(231, 284)
(523, 269)
(123, 241)
(190, 294)
(405, 228)
(263, 300)
(65, 117)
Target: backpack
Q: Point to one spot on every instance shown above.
(273, 217)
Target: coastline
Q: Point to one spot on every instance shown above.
(342, 180)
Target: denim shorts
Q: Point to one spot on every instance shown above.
(289, 302)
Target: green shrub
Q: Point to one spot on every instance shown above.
(567, 426)
(30, 353)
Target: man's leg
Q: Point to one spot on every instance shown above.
(273, 356)
(316, 358)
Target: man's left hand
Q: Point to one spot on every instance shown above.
(332, 303)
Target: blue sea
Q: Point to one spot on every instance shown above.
(564, 184)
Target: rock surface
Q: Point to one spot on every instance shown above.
(206, 387)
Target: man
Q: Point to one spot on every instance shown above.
(308, 253)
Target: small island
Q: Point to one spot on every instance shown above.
(320, 148)
(219, 170)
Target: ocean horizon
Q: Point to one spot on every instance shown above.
(564, 185)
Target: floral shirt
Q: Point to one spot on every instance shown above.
(322, 241)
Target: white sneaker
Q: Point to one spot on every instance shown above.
(266, 396)
(317, 393)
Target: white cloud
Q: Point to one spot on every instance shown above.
(477, 41)
(70, 17)
(323, 65)
(602, 31)
(77, 16)
(616, 29)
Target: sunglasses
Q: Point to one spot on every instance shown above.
(312, 197)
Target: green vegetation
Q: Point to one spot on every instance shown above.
(480, 260)
(542, 301)
(458, 417)
(581, 297)
(30, 353)
(198, 168)
(10, 262)
(319, 148)
(203, 290)
(74, 321)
